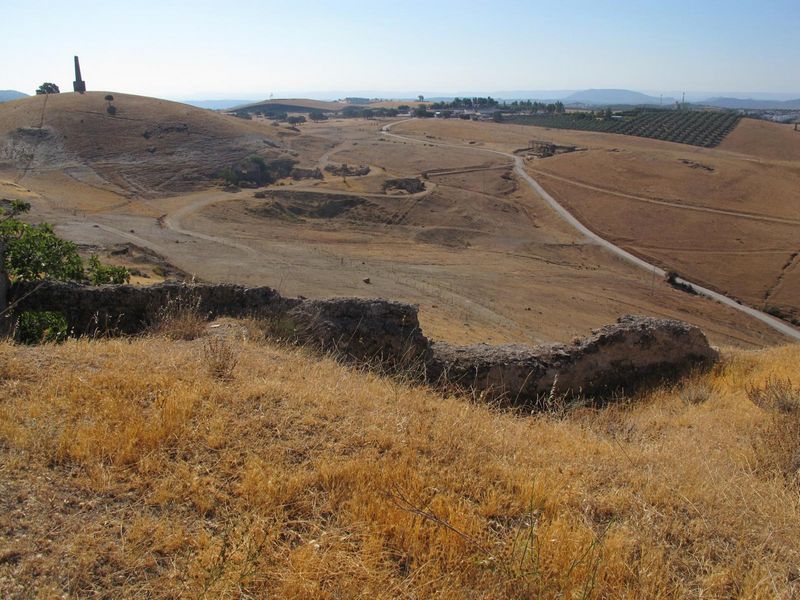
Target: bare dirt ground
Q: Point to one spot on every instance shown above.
(485, 258)
(728, 218)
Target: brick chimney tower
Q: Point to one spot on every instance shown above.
(79, 85)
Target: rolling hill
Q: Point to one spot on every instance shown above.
(142, 145)
(752, 104)
(7, 95)
(302, 105)
(216, 104)
(611, 96)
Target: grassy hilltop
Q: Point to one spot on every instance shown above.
(147, 468)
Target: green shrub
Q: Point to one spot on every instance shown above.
(36, 252)
(36, 327)
(100, 274)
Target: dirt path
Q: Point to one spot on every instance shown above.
(431, 289)
(173, 222)
(325, 158)
(519, 169)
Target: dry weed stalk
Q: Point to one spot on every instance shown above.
(180, 318)
(778, 442)
(694, 391)
(220, 357)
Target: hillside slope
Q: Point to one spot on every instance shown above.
(293, 105)
(128, 470)
(147, 146)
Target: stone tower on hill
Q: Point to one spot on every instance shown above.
(79, 85)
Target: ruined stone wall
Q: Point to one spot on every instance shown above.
(131, 309)
(616, 357)
(635, 350)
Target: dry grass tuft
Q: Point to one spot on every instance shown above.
(220, 357)
(778, 442)
(181, 319)
(129, 468)
(776, 395)
(695, 390)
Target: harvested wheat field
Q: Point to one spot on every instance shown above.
(229, 466)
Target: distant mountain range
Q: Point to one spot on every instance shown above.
(751, 104)
(6, 95)
(605, 97)
(591, 97)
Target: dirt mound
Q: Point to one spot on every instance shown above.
(411, 185)
(345, 170)
(145, 145)
(310, 205)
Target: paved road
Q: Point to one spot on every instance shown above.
(519, 169)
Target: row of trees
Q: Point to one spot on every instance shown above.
(535, 106)
(490, 103)
(369, 113)
(467, 103)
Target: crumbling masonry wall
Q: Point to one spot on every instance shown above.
(616, 357)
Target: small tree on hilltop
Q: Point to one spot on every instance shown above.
(47, 88)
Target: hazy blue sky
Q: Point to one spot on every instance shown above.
(194, 49)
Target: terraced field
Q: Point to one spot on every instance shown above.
(697, 128)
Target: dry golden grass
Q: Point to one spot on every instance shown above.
(180, 319)
(128, 469)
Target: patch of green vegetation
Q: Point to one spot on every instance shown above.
(38, 327)
(697, 128)
(100, 274)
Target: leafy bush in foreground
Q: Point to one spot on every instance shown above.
(36, 327)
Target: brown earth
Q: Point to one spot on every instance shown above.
(763, 139)
(728, 218)
(148, 147)
(484, 257)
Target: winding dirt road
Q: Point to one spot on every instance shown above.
(519, 169)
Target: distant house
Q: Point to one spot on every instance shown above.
(485, 114)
